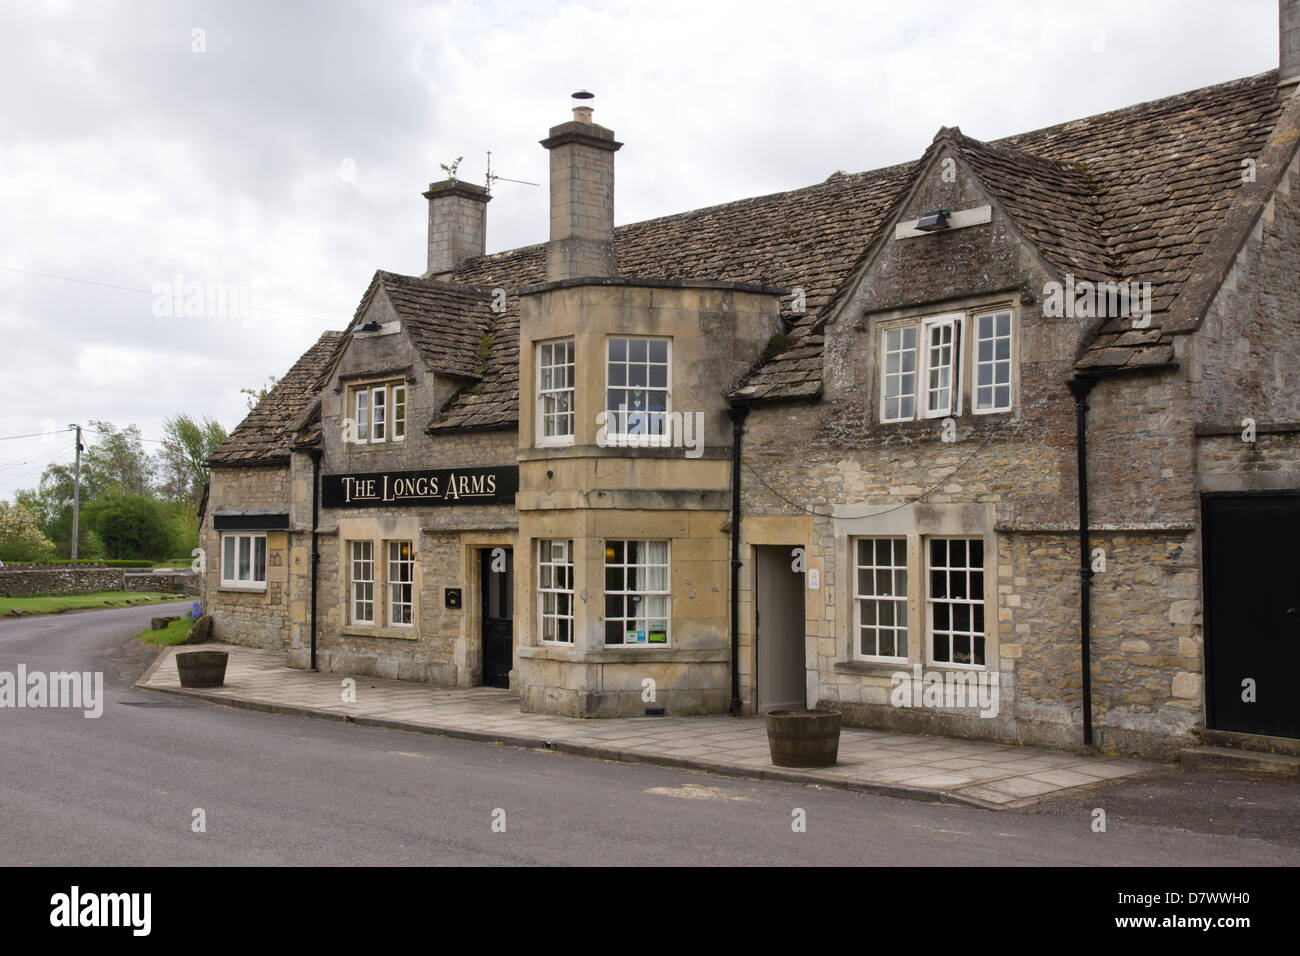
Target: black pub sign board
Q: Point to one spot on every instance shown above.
(433, 488)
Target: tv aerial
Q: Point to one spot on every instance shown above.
(493, 177)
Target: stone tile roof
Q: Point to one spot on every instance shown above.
(447, 321)
(807, 239)
(263, 437)
(1140, 193)
(1163, 176)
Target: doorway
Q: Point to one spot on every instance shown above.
(779, 630)
(1252, 612)
(497, 584)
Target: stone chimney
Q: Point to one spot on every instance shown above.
(582, 199)
(1288, 34)
(457, 224)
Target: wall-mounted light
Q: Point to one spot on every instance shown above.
(935, 219)
(369, 327)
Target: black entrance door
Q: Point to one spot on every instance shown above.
(497, 574)
(1252, 614)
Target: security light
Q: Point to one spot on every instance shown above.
(936, 219)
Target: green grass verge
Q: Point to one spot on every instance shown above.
(169, 636)
(57, 603)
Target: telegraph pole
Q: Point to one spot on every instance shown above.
(76, 493)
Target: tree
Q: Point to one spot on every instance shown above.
(116, 462)
(21, 538)
(255, 395)
(187, 445)
(131, 526)
(51, 505)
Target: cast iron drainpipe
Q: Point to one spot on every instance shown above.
(1079, 388)
(738, 413)
(315, 454)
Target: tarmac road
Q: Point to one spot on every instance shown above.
(123, 790)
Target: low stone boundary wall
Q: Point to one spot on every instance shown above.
(172, 582)
(28, 582)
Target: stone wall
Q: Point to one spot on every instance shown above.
(16, 582)
(252, 617)
(177, 582)
(29, 582)
(848, 475)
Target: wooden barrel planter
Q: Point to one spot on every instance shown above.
(804, 738)
(202, 668)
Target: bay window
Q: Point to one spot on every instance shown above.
(555, 591)
(555, 392)
(637, 399)
(637, 593)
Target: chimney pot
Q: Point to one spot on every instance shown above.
(582, 114)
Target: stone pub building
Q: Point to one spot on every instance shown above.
(1020, 417)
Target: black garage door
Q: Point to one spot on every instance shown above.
(1252, 591)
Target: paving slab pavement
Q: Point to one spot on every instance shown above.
(919, 766)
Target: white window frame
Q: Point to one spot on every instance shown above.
(356, 598)
(965, 394)
(399, 412)
(641, 592)
(885, 375)
(955, 322)
(256, 542)
(971, 600)
(613, 426)
(393, 582)
(377, 423)
(900, 604)
(1010, 361)
(379, 413)
(361, 416)
(552, 585)
(550, 394)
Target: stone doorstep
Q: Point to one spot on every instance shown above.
(999, 776)
(1247, 761)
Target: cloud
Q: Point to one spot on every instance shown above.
(290, 154)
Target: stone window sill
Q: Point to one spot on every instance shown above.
(232, 589)
(396, 633)
(889, 668)
(632, 655)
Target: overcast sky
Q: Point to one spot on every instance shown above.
(284, 146)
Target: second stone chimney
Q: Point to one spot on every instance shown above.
(457, 224)
(582, 199)
(1288, 34)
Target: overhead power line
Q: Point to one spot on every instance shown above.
(127, 288)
